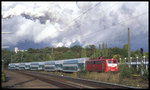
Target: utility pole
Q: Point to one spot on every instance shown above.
(129, 47)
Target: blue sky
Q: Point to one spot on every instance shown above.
(42, 24)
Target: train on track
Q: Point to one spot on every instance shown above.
(70, 65)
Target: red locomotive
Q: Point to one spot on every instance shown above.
(102, 65)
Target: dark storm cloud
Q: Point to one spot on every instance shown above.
(52, 23)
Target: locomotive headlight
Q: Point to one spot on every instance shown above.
(116, 67)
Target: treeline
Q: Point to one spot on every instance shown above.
(59, 53)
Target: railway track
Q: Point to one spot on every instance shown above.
(49, 80)
(69, 82)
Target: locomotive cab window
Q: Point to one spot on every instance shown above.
(109, 61)
(114, 61)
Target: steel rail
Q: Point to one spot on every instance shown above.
(91, 83)
(47, 80)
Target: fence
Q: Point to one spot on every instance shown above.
(136, 62)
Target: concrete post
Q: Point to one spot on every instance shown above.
(137, 63)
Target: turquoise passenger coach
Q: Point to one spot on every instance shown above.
(11, 66)
(49, 66)
(67, 65)
(41, 65)
(21, 66)
(27, 66)
(34, 66)
(59, 65)
(74, 65)
(17, 66)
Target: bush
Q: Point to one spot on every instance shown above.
(82, 73)
(125, 71)
(145, 74)
(134, 70)
(2, 76)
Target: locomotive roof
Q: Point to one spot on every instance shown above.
(97, 59)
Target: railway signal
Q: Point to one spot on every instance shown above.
(142, 52)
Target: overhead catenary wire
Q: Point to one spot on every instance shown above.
(109, 8)
(125, 20)
(85, 13)
(110, 41)
(103, 11)
(80, 15)
(116, 24)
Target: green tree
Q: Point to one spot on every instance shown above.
(88, 53)
(125, 50)
(93, 55)
(6, 56)
(69, 54)
(146, 54)
(106, 50)
(83, 54)
(48, 57)
(109, 52)
(76, 48)
(135, 53)
(59, 55)
(100, 53)
(115, 51)
(27, 58)
(61, 49)
(47, 50)
(103, 50)
(31, 50)
(92, 49)
(97, 52)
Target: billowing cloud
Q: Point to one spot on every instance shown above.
(56, 23)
